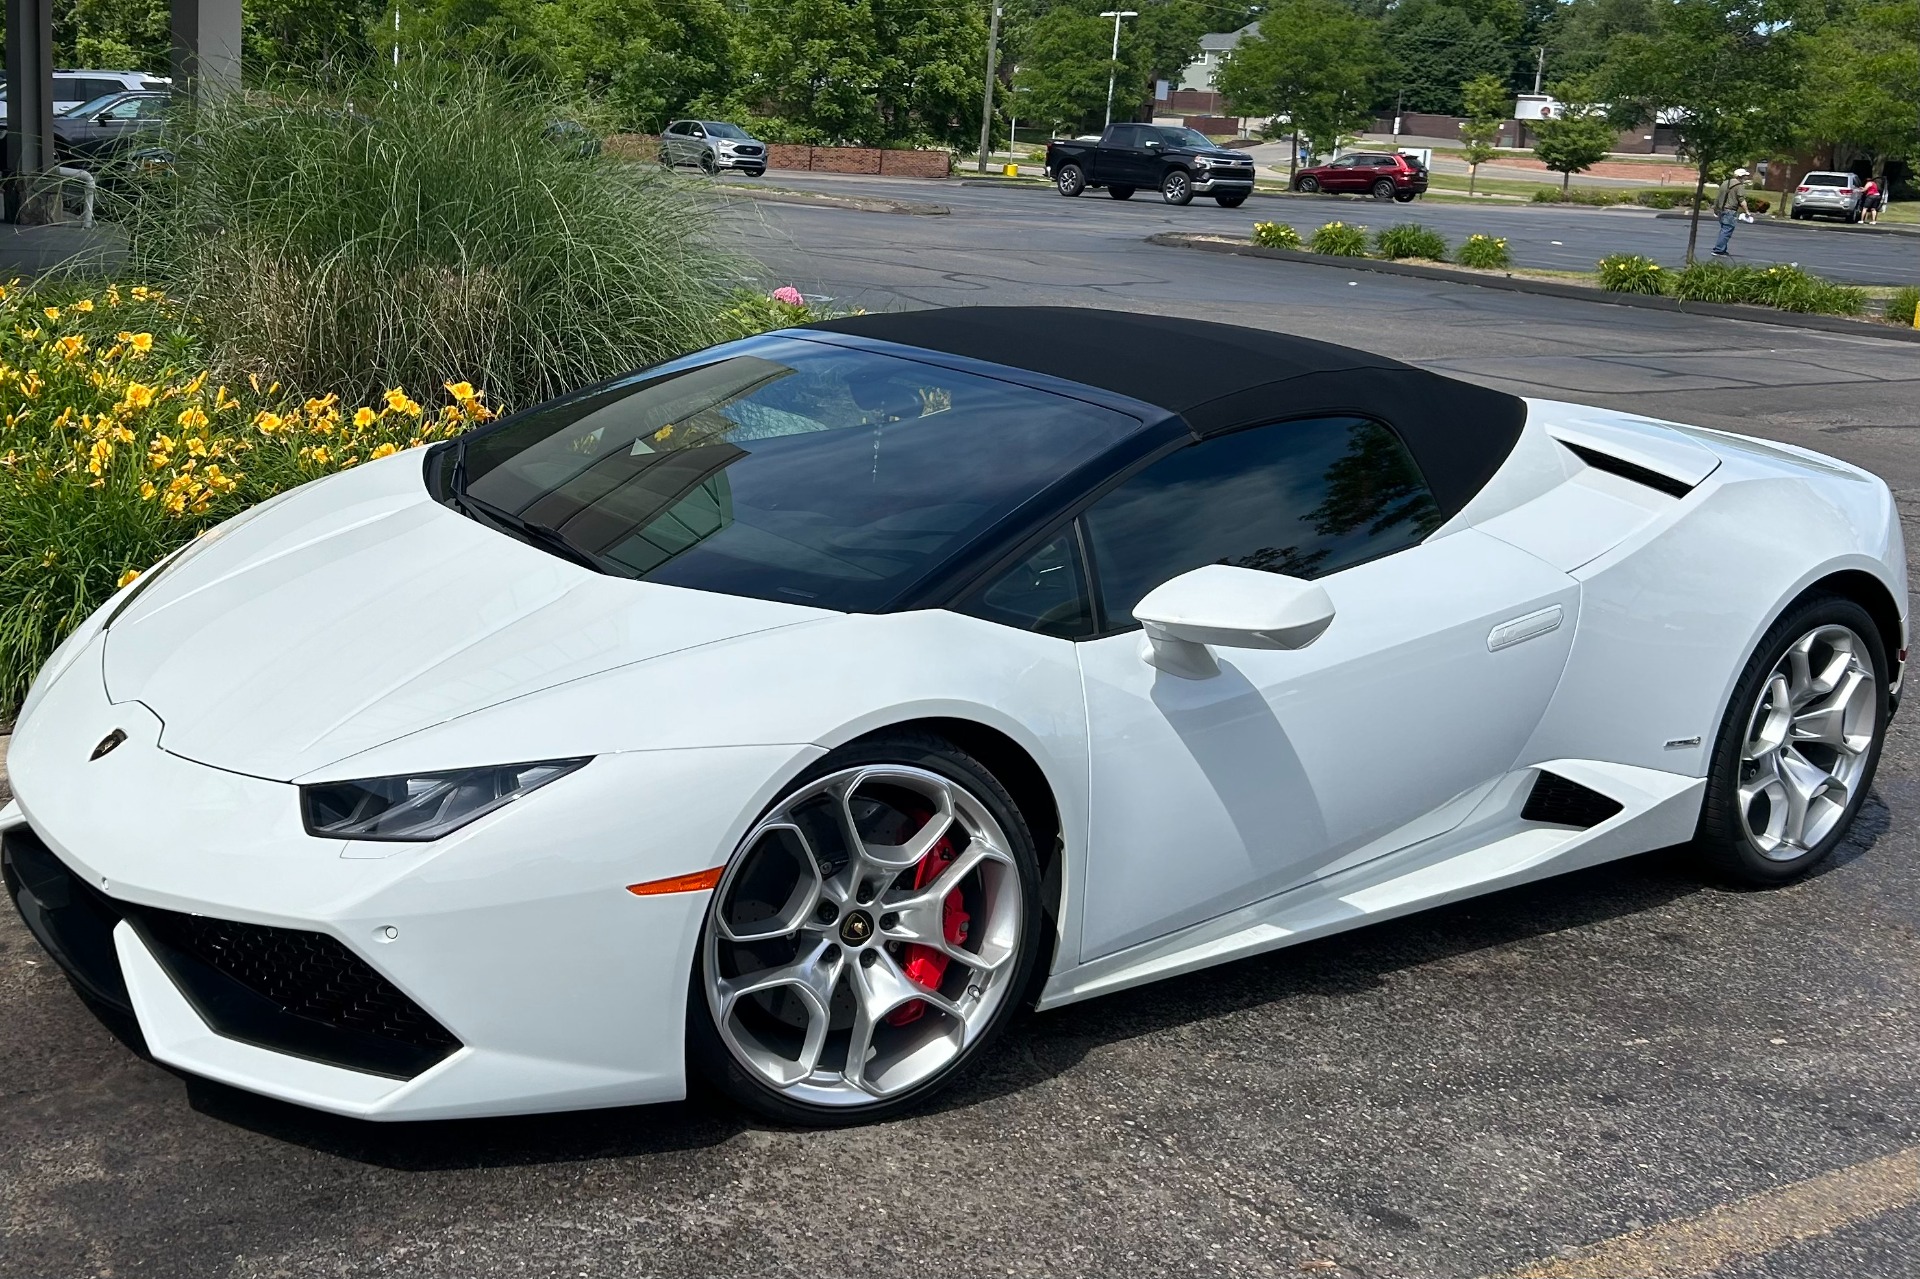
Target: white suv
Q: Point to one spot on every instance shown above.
(1837, 195)
(72, 88)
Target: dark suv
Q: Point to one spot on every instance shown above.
(1381, 174)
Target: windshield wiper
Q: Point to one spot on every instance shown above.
(541, 535)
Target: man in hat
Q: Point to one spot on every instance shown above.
(1731, 205)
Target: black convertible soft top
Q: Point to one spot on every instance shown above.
(1219, 377)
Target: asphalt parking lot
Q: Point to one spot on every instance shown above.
(1620, 1072)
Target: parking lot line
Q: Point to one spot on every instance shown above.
(1745, 1228)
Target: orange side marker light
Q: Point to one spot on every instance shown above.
(698, 882)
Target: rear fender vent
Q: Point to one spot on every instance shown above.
(1556, 801)
(1628, 470)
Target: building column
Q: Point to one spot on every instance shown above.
(206, 45)
(29, 107)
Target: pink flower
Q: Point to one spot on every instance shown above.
(790, 295)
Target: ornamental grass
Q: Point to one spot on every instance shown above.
(424, 224)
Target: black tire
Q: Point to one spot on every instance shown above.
(709, 1059)
(1071, 180)
(755, 173)
(1404, 197)
(1721, 841)
(1177, 187)
(666, 161)
(1121, 193)
(708, 165)
(1306, 186)
(1230, 201)
(1383, 189)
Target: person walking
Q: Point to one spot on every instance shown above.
(1731, 205)
(1870, 201)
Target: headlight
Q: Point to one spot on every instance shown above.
(1204, 161)
(421, 806)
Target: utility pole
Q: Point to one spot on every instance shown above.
(1539, 68)
(1113, 67)
(986, 105)
(1398, 95)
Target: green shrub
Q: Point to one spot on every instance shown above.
(1901, 306)
(1787, 288)
(1631, 273)
(1410, 240)
(1340, 240)
(1275, 235)
(418, 225)
(1597, 196)
(1546, 195)
(1484, 251)
(1662, 197)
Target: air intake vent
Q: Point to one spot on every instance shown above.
(1628, 470)
(1559, 802)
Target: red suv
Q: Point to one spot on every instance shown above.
(1383, 175)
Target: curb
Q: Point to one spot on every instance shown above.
(1546, 288)
(1847, 228)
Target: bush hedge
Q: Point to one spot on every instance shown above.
(1631, 273)
(1486, 252)
(1275, 235)
(1337, 239)
(1787, 288)
(1901, 305)
(1410, 240)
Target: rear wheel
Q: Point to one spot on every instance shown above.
(1306, 185)
(1383, 189)
(1404, 197)
(870, 938)
(1177, 187)
(1121, 193)
(1799, 744)
(1230, 201)
(1072, 179)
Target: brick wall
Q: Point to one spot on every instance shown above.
(873, 160)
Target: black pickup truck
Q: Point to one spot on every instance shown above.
(1177, 162)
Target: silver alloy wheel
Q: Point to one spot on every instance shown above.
(1175, 187)
(807, 950)
(1807, 742)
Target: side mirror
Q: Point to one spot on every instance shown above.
(1231, 607)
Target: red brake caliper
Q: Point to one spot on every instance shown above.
(925, 966)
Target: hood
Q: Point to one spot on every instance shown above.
(357, 610)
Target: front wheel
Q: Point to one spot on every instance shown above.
(1072, 179)
(1798, 745)
(1383, 189)
(709, 166)
(1307, 186)
(872, 935)
(1121, 193)
(1177, 188)
(1230, 201)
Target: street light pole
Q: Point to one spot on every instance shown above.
(986, 105)
(1113, 67)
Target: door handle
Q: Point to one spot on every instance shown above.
(1520, 629)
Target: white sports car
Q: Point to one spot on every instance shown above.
(788, 716)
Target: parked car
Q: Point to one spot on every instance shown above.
(1385, 175)
(713, 145)
(1832, 195)
(72, 88)
(97, 130)
(788, 715)
(1177, 162)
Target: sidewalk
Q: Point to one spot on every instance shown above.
(29, 251)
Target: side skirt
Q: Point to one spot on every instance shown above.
(1495, 848)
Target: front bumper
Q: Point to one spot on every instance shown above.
(1215, 182)
(731, 160)
(504, 969)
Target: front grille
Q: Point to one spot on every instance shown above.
(283, 989)
(1556, 801)
(746, 150)
(294, 991)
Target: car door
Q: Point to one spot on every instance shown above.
(1121, 160)
(1212, 793)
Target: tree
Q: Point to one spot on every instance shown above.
(1435, 48)
(1578, 138)
(1312, 61)
(1728, 69)
(1063, 64)
(1863, 73)
(1488, 107)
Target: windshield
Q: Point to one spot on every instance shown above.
(89, 107)
(1178, 137)
(792, 471)
(724, 130)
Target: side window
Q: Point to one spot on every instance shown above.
(1304, 498)
(1126, 136)
(1045, 592)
